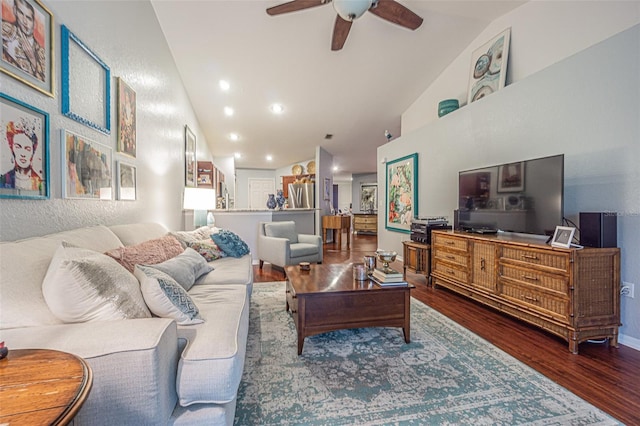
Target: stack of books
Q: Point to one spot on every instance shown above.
(388, 277)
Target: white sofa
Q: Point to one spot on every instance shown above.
(146, 371)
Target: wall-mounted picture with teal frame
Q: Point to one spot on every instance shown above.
(86, 84)
(24, 150)
(401, 203)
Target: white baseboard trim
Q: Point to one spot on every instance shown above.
(631, 342)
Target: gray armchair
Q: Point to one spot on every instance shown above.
(280, 245)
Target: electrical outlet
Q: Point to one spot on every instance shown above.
(627, 289)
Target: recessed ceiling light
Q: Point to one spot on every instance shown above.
(224, 85)
(335, 168)
(228, 111)
(237, 155)
(277, 109)
(269, 158)
(234, 136)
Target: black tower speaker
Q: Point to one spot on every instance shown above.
(599, 229)
(456, 220)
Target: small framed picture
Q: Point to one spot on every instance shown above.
(563, 236)
(126, 181)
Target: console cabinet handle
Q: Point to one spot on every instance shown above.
(530, 257)
(533, 299)
(530, 278)
(483, 264)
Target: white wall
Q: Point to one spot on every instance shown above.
(112, 30)
(587, 107)
(542, 33)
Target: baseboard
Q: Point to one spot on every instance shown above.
(631, 342)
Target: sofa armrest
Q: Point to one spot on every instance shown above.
(274, 250)
(134, 364)
(316, 240)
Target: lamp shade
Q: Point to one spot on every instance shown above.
(199, 199)
(350, 10)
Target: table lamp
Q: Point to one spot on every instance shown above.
(200, 200)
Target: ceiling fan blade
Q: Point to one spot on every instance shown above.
(295, 5)
(393, 11)
(340, 33)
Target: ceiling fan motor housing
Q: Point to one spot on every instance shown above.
(350, 10)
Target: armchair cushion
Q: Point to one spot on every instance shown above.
(303, 249)
(282, 230)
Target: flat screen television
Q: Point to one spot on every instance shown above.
(523, 197)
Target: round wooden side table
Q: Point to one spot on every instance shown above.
(41, 386)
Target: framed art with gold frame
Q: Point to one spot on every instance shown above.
(36, 68)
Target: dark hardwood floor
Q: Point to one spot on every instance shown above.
(607, 377)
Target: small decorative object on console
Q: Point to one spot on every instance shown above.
(563, 236)
(386, 257)
(4, 351)
(271, 202)
(280, 200)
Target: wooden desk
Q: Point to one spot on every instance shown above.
(337, 223)
(43, 387)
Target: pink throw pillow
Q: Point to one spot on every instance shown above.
(148, 253)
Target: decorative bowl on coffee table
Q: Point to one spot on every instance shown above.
(386, 257)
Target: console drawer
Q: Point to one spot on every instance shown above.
(452, 257)
(546, 304)
(556, 261)
(447, 271)
(449, 241)
(532, 277)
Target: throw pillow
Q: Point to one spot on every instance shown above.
(186, 237)
(207, 249)
(165, 297)
(285, 229)
(185, 268)
(230, 243)
(84, 285)
(147, 253)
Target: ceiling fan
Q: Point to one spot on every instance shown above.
(350, 10)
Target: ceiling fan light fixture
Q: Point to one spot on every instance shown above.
(350, 10)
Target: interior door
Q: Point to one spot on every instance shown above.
(259, 190)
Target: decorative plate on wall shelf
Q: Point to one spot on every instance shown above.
(311, 167)
(297, 169)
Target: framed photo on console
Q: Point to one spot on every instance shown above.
(563, 236)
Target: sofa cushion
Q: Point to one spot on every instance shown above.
(185, 268)
(207, 249)
(229, 270)
(230, 243)
(303, 249)
(147, 253)
(135, 233)
(211, 364)
(21, 301)
(285, 229)
(165, 297)
(84, 285)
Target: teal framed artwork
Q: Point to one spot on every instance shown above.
(401, 202)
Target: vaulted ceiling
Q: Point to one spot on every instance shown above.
(354, 94)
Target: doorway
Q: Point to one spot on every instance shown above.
(259, 190)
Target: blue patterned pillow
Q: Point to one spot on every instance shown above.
(165, 297)
(230, 243)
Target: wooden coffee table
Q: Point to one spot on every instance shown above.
(42, 387)
(327, 298)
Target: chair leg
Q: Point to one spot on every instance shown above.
(261, 263)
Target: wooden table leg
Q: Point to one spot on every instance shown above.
(348, 237)
(324, 235)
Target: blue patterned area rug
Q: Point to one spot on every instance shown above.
(369, 376)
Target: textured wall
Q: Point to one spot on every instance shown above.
(586, 107)
(127, 37)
